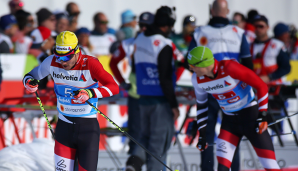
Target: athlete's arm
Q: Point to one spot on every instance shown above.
(239, 72)
(40, 71)
(284, 67)
(245, 56)
(117, 56)
(202, 113)
(109, 86)
(202, 104)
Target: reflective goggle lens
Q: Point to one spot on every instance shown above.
(64, 58)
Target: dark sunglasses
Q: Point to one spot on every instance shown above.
(103, 22)
(75, 14)
(259, 26)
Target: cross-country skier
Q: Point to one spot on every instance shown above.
(77, 78)
(231, 84)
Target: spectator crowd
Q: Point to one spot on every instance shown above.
(19, 30)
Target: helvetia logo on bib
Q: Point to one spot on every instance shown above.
(227, 84)
(82, 78)
(64, 77)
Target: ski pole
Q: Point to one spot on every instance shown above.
(125, 133)
(44, 114)
(213, 144)
(281, 119)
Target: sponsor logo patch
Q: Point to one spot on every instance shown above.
(218, 86)
(234, 100)
(222, 145)
(74, 110)
(224, 96)
(61, 76)
(189, 56)
(82, 78)
(64, 100)
(243, 85)
(227, 84)
(156, 42)
(62, 108)
(61, 165)
(203, 41)
(63, 48)
(84, 63)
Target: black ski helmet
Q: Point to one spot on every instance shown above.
(165, 16)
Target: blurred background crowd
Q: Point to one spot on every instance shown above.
(33, 32)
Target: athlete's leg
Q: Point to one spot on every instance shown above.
(227, 142)
(264, 149)
(88, 143)
(261, 142)
(64, 148)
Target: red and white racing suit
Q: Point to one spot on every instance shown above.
(77, 131)
(231, 87)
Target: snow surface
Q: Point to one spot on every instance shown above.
(35, 156)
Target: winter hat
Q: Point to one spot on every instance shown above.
(200, 56)
(6, 21)
(146, 18)
(165, 16)
(65, 42)
(189, 19)
(127, 16)
(82, 30)
(261, 18)
(42, 15)
(39, 35)
(280, 29)
(251, 15)
(60, 15)
(21, 17)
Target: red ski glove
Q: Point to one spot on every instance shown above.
(83, 95)
(31, 85)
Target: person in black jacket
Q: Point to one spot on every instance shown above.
(155, 74)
